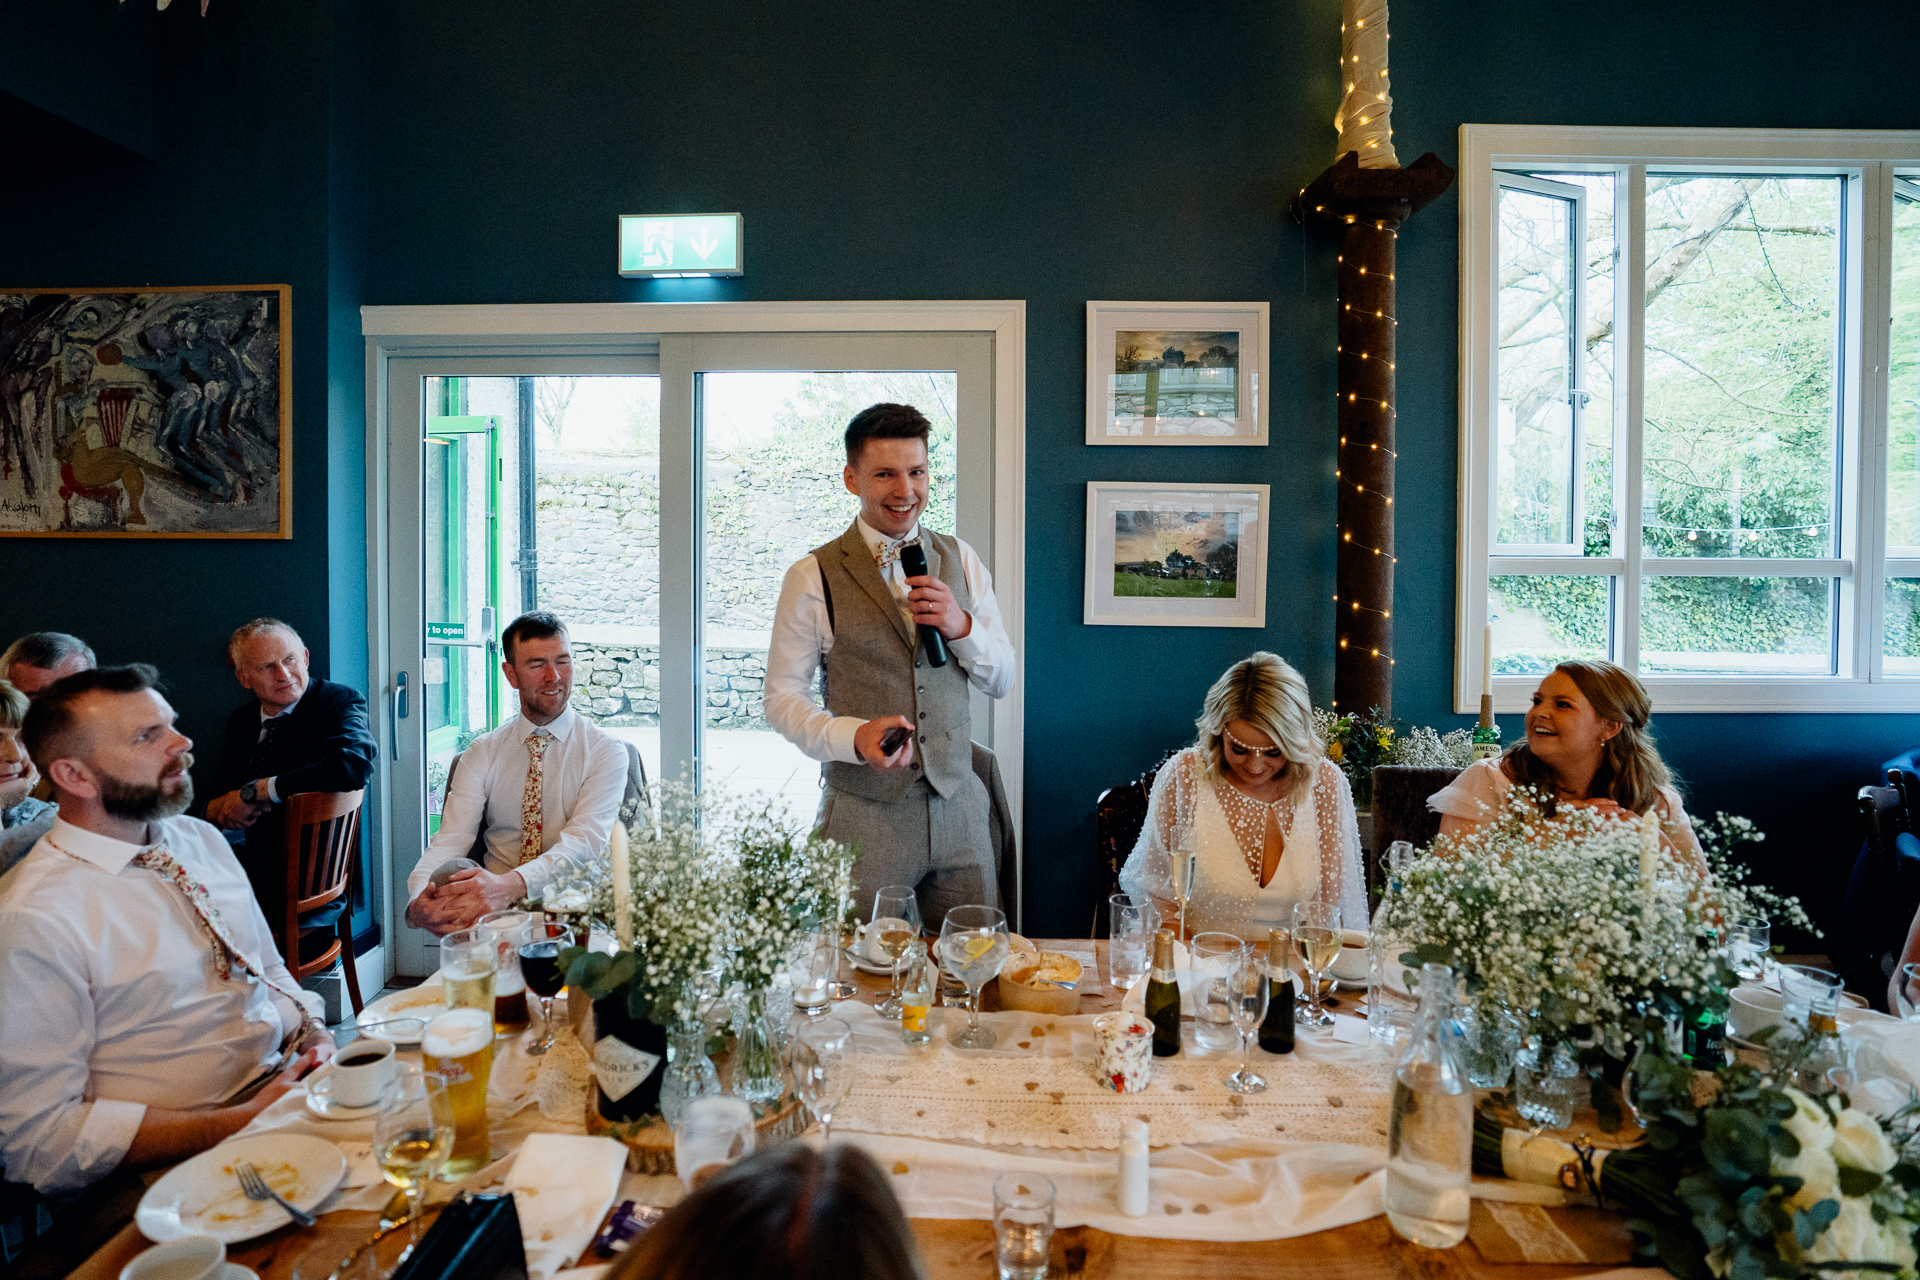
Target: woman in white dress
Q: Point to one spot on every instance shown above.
(1588, 745)
(1269, 817)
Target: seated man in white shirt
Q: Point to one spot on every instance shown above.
(145, 1013)
(541, 791)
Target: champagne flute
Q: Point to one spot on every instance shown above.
(1184, 864)
(973, 948)
(1316, 932)
(895, 927)
(822, 1068)
(413, 1134)
(1247, 1002)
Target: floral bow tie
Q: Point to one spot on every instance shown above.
(889, 552)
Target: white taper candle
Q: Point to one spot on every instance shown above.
(622, 886)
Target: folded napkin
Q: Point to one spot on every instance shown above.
(1886, 1049)
(562, 1186)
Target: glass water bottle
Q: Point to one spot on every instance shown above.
(1430, 1132)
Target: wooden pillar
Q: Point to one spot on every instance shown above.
(1366, 208)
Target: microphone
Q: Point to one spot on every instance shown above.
(914, 561)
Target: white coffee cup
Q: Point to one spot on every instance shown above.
(188, 1258)
(357, 1074)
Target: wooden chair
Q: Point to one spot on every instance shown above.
(1400, 812)
(1118, 816)
(323, 851)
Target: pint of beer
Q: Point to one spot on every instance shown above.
(510, 930)
(468, 962)
(457, 1046)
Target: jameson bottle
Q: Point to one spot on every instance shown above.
(1276, 1030)
(629, 1054)
(1163, 997)
(1704, 1030)
(1486, 734)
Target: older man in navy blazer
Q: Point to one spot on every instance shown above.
(298, 734)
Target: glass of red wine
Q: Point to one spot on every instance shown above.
(540, 965)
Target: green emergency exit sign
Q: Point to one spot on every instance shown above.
(675, 245)
(446, 631)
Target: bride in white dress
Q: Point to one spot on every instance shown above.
(1270, 818)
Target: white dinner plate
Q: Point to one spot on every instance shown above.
(202, 1196)
(424, 1002)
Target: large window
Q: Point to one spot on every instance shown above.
(1689, 388)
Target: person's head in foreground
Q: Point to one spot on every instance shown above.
(784, 1212)
(1587, 739)
(106, 740)
(1256, 726)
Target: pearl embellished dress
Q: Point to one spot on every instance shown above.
(1321, 855)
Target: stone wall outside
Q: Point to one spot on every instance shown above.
(619, 685)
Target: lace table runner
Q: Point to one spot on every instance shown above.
(1056, 1102)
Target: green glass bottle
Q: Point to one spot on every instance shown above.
(1704, 1030)
(1276, 1029)
(1163, 997)
(1486, 734)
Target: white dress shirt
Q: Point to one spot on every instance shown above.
(110, 1002)
(803, 636)
(583, 775)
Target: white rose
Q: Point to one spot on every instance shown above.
(1896, 1243)
(1809, 1122)
(1819, 1176)
(1858, 1141)
(1852, 1237)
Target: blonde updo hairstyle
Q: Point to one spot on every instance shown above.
(1265, 692)
(1631, 772)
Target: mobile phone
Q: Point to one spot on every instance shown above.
(892, 740)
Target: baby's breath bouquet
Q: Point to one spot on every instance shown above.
(719, 888)
(1588, 925)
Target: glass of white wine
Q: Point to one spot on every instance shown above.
(973, 948)
(895, 928)
(413, 1134)
(1316, 933)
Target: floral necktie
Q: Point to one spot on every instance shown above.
(530, 800)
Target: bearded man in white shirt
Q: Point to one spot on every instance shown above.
(849, 610)
(531, 799)
(145, 1013)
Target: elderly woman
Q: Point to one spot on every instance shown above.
(1587, 744)
(1269, 818)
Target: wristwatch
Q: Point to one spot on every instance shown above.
(251, 792)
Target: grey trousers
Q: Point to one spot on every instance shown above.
(940, 845)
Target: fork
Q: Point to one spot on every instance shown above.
(256, 1188)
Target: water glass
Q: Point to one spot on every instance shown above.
(1022, 1224)
(1489, 1041)
(1130, 939)
(713, 1132)
(812, 966)
(1210, 957)
(1748, 944)
(1810, 998)
(823, 1068)
(1906, 992)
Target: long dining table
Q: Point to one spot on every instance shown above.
(964, 1246)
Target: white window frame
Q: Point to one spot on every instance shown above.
(1871, 162)
(658, 335)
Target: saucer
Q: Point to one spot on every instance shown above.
(327, 1109)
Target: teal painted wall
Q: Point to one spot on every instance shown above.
(1139, 149)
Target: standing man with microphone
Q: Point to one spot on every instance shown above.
(901, 623)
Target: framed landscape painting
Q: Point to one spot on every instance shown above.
(1177, 373)
(145, 413)
(1176, 555)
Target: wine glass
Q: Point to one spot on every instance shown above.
(822, 1068)
(1247, 1002)
(540, 965)
(413, 1133)
(1316, 932)
(973, 948)
(896, 925)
